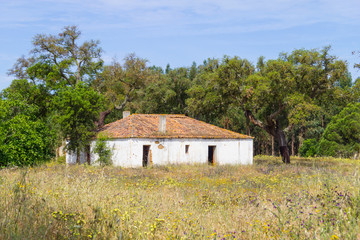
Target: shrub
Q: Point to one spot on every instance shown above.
(341, 137)
(103, 150)
(309, 148)
(24, 139)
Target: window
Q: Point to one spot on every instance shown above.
(187, 148)
(211, 155)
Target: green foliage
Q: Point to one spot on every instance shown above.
(76, 111)
(104, 152)
(166, 93)
(37, 96)
(24, 139)
(345, 81)
(61, 160)
(342, 136)
(309, 148)
(60, 60)
(52, 80)
(293, 96)
(277, 95)
(120, 85)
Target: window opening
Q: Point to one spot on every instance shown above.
(211, 155)
(187, 148)
(146, 155)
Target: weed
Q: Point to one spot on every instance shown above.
(311, 198)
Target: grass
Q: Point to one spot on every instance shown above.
(310, 198)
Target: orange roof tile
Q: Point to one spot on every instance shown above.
(177, 126)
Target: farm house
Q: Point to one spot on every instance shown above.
(144, 139)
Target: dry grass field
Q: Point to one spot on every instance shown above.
(308, 199)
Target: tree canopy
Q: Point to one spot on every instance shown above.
(281, 93)
(63, 90)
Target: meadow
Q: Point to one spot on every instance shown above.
(314, 198)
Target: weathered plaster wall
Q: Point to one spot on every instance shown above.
(71, 157)
(129, 152)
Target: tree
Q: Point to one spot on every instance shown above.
(31, 94)
(193, 71)
(203, 102)
(120, 83)
(76, 110)
(24, 138)
(281, 93)
(290, 89)
(341, 138)
(166, 93)
(59, 60)
(56, 77)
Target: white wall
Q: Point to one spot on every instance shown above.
(129, 152)
(71, 157)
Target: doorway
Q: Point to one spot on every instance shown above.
(146, 155)
(88, 154)
(211, 155)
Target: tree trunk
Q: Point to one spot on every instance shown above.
(301, 138)
(267, 148)
(284, 150)
(104, 114)
(272, 146)
(102, 117)
(293, 144)
(272, 127)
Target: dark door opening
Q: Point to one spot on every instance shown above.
(211, 155)
(146, 155)
(88, 154)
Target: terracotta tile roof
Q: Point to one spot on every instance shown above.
(177, 126)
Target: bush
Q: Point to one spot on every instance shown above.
(103, 151)
(341, 137)
(309, 148)
(24, 140)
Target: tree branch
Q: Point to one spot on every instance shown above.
(253, 120)
(275, 114)
(126, 100)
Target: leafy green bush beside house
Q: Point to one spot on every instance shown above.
(103, 150)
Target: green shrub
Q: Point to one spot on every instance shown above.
(103, 150)
(341, 137)
(309, 148)
(24, 139)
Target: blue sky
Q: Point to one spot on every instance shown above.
(182, 31)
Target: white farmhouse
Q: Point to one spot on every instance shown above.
(145, 139)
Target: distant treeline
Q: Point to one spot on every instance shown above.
(304, 102)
